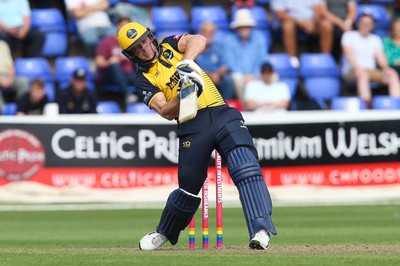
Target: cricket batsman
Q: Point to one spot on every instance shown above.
(214, 125)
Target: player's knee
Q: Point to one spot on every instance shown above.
(243, 164)
(182, 203)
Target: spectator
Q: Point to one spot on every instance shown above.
(77, 98)
(341, 14)
(33, 102)
(8, 82)
(245, 50)
(391, 46)
(213, 62)
(112, 66)
(266, 94)
(92, 21)
(304, 16)
(363, 50)
(15, 25)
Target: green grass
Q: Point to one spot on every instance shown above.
(339, 235)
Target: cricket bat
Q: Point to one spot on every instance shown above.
(188, 101)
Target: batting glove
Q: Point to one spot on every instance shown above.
(188, 68)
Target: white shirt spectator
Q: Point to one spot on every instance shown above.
(261, 92)
(96, 19)
(298, 9)
(363, 48)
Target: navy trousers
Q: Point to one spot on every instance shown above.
(220, 128)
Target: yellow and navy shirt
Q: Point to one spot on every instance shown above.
(162, 77)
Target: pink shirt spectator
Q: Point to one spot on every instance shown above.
(108, 47)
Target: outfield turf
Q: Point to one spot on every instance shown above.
(340, 235)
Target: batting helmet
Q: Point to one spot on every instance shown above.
(132, 34)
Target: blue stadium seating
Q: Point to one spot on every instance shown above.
(9, 109)
(216, 14)
(139, 108)
(287, 73)
(169, 18)
(380, 15)
(321, 75)
(33, 68)
(381, 1)
(37, 68)
(51, 21)
(113, 2)
(262, 2)
(64, 66)
(348, 103)
(108, 107)
(385, 102)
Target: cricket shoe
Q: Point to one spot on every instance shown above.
(152, 241)
(260, 240)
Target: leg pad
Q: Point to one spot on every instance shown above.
(254, 195)
(179, 210)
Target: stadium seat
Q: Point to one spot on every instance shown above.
(385, 102)
(9, 109)
(169, 18)
(108, 107)
(33, 68)
(321, 75)
(287, 73)
(216, 14)
(64, 66)
(37, 68)
(262, 2)
(381, 1)
(52, 23)
(349, 103)
(139, 108)
(380, 15)
(113, 2)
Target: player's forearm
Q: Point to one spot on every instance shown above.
(168, 110)
(193, 45)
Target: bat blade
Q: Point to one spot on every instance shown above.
(188, 102)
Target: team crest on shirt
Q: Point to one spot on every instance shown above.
(168, 54)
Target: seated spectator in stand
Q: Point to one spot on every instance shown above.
(112, 66)
(363, 50)
(77, 98)
(266, 94)
(16, 86)
(391, 46)
(245, 50)
(212, 61)
(341, 14)
(92, 21)
(15, 25)
(33, 102)
(305, 16)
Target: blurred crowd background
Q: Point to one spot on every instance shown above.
(264, 56)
